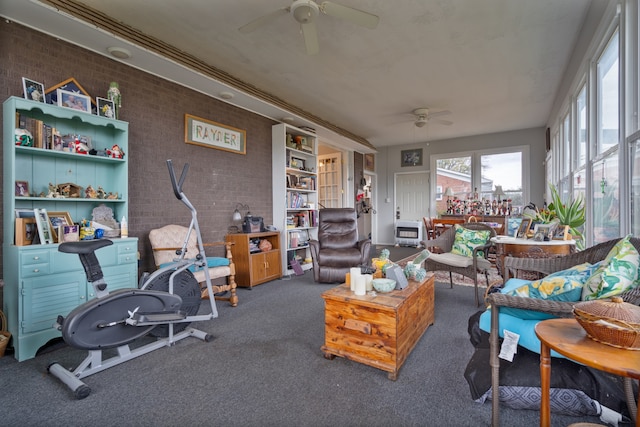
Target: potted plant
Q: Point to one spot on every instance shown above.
(571, 213)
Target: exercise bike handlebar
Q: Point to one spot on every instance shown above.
(177, 185)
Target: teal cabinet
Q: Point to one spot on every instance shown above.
(41, 282)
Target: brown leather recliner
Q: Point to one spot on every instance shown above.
(337, 248)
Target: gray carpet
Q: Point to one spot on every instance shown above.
(265, 368)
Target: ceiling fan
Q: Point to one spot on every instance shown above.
(423, 116)
(306, 12)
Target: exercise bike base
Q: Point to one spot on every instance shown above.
(93, 363)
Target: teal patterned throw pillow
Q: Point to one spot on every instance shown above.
(617, 272)
(466, 240)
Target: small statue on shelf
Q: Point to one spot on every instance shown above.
(113, 94)
(115, 152)
(53, 192)
(101, 193)
(90, 193)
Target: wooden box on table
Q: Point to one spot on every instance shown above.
(379, 331)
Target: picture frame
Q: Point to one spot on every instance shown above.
(73, 100)
(105, 108)
(26, 231)
(512, 225)
(543, 232)
(44, 226)
(70, 233)
(411, 157)
(57, 220)
(33, 90)
(70, 84)
(523, 228)
(297, 163)
(561, 232)
(25, 213)
(207, 133)
(22, 189)
(370, 162)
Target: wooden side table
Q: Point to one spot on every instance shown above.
(568, 338)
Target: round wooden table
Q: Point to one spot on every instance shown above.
(529, 248)
(568, 338)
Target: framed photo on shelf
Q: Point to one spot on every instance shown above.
(524, 226)
(33, 90)
(25, 213)
(561, 232)
(411, 157)
(106, 108)
(70, 233)
(22, 189)
(70, 85)
(75, 101)
(26, 231)
(44, 226)
(296, 163)
(57, 220)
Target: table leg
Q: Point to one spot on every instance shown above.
(545, 381)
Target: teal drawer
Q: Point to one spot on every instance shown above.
(127, 248)
(34, 257)
(35, 270)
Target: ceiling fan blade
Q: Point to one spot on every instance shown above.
(310, 38)
(350, 14)
(259, 22)
(439, 113)
(443, 122)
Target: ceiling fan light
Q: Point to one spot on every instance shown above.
(421, 122)
(304, 11)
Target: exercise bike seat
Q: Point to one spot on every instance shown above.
(83, 247)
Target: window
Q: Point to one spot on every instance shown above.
(608, 96)
(566, 146)
(606, 203)
(438, 192)
(581, 127)
(634, 156)
(476, 176)
(454, 173)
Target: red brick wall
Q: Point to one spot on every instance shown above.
(155, 111)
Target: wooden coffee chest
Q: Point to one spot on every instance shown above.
(381, 330)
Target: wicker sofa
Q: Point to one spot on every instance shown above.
(560, 309)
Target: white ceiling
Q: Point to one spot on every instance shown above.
(495, 64)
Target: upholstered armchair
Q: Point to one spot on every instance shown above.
(167, 240)
(338, 247)
(468, 265)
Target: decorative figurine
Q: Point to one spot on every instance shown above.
(23, 138)
(113, 94)
(80, 147)
(116, 152)
(90, 193)
(101, 193)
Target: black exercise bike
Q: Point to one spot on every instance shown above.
(164, 304)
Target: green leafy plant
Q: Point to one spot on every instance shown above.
(571, 213)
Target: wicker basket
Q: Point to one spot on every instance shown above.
(4, 334)
(612, 322)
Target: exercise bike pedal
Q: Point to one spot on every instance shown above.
(142, 319)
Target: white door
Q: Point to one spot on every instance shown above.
(330, 180)
(412, 195)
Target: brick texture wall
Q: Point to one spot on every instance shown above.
(155, 110)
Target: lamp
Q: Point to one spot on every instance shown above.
(498, 192)
(237, 216)
(449, 193)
